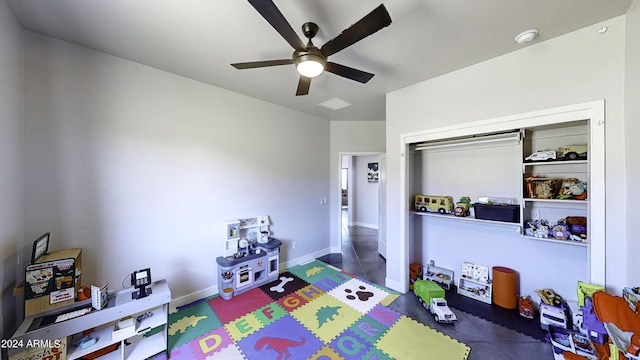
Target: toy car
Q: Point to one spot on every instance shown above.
(552, 315)
(462, 207)
(441, 311)
(541, 155)
(573, 152)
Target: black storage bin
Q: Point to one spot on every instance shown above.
(506, 213)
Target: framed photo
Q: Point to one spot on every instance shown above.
(373, 174)
(40, 247)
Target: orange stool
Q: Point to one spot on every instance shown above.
(415, 273)
(504, 287)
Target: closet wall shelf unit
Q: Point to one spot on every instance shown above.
(494, 151)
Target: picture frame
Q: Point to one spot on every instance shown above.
(40, 247)
(373, 172)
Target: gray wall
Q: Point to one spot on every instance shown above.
(11, 100)
(632, 134)
(140, 167)
(365, 194)
(578, 67)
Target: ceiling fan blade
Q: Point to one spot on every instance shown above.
(303, 85)
(348, 72)
(378, 19)
(259, 64)
(272, 14)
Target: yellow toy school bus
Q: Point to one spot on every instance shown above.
(429, 203)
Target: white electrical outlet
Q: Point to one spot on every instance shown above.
(294, 244)
(535, 214)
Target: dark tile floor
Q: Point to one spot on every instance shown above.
(486, 340)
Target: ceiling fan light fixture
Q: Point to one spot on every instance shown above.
(310, 65)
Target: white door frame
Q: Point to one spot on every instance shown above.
(338, 208)
(595, 111)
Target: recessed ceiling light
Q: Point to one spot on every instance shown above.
(335, 104)
(602, 30)
(526, 36)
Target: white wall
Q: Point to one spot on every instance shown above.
(632, 134)
(356, 138)
(11, 100)
(140, 167)
(365, 194)
(578, 67)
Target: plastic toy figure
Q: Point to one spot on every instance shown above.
(462, 206)
(578, 190)
(542, 229)
(525, 306)
(415, 273)
(560, 231)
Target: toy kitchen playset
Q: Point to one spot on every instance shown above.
(251, 257)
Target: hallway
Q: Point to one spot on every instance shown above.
(360, 255)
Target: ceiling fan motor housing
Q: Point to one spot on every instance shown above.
(312, 54)
(309, 30)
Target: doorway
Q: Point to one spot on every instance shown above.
(359, 217)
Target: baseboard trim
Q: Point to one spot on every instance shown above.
(305, 259)
(395, 285)
(365, 225)
(189, 298)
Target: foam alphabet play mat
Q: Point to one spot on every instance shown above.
(312, 311)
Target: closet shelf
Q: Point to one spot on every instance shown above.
(557, 241)
(561, 162)
(467, 219)
(559, 201)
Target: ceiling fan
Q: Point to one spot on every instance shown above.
(309, 60)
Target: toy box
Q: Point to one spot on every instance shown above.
(506, 213)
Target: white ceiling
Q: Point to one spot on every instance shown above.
(200, 38)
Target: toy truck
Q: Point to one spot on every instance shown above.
(431, 296)
(542, 155)
(441, 311)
